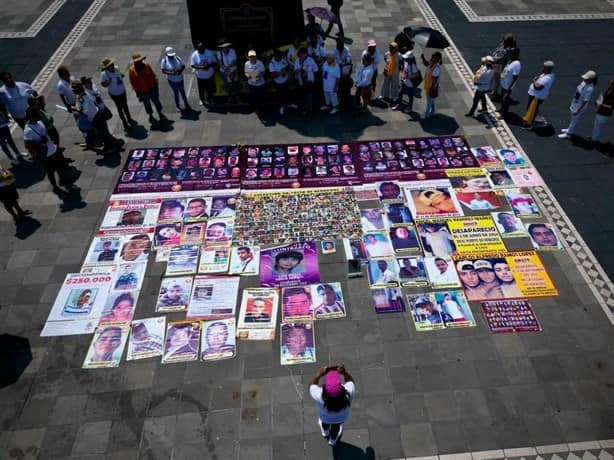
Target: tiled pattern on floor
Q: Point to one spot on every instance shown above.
(534, 10)
(26, 19)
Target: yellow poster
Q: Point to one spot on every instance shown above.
(474, 235)
(530, 274)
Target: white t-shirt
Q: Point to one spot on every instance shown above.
(16, 99)
(482, 83)
(344, 60)
(511, 70)
(330, 74)
(170, 65)
(375, 56)
(280, 66)
(545, 79)
(332, 417)
(364, 75)
(585, 90)
(203, 59)
(408, 70)
(116, 82)
(226, 58)
(87, 106)
(38, 133)
(65, 91)
(307, 69)
(257, 68)
(447, 277)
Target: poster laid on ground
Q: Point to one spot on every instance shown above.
(328, 301)
(522, 203)
(432, 198)
(325, 165)
(526, 177)
(107, 346)
(213, 297)
(104, 250)
(119, 307)
(509, 225)
(412, 271)
(244, 260)
(377, 244)
(182, 341)
(258, 314)
(354, 249)
(289, 265)
(512, 158)
(436, 238)
(544, 237)
(182, 260)
(454, 308)
(478, 201)
(297, 343)
(373, 219)
(193, 232)
(475, 234)
(146, 338)
(129, 276)
(441, 272)
(398, 213)
(500, 178)
(404, 239)
(218, 340)
(174, 294)
(387, 300)
(219, 231)
(214, 259)
(78, 305)
(383, 273)
(486, 156)
(469, 180)
(498, 276)
(131, 212)
(510, 316)
(424, 312)
(296, 304)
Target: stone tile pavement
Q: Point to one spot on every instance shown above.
(426, 394)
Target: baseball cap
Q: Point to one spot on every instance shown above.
(371, 43)
(169, 51)
(464, 265)
(589, 75)
(251, 53)
(482, 264)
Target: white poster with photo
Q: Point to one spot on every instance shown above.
(104, 250)
(129, 276)
(107, 346)
(137, 212)
(146, 338)
(244, 260)
(214, 259)
(119, 307)
(258, 314)
(79, 304)
(213, 297)
(174, 293)
(432, 198)
(441, 272)
(328, 301)
(218, 340)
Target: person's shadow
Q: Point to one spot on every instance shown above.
(345, 451)
(26, 227)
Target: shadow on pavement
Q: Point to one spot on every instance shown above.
(109, 161)
(345, 451)
(26, 227)
(439, 125)
(340, 127)
(72, 200)
(192, 115)
(15, 355)
(162, 126)
(27, 173)
(138, 132)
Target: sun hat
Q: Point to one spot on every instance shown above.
(251, 53)
(589, 75)
(136, 57)
(169, 51)
(549, 64)
(106, 62)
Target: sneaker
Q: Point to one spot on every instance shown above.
(397, 107)
(332, 442)
(324, 108)
(334, 111)
(281, 110)
(201, 103)
(564, 130)
(564, 136)
(324, 432)
(292, 106)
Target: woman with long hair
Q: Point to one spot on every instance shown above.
(333, 400)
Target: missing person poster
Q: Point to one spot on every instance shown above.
(174, 294)
(218, 341)
(258, 314)
(182, 260)
(146, 338)
(328, 301)
(107, 346)
(182, 341)
(244, 260)
(432, 198)
(510, 316)
(132, 212)
(297, 343)
(213, 297)
(289, 265)
(214, 259)
(387, 300)
(79, 304)
(475, 234)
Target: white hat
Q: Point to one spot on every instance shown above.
(549, 64)
(169, 51)
(490, 59)
(371, 43)
(481, 264)
(408, 55)
(589, 75)
(464, 265)
(251, 53)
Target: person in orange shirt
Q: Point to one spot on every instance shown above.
(144, 82)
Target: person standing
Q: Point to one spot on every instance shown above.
(112, 79)
(392, 63)
(409, 73)
(431, 82)
(331, 75)
(603, 105)
(333, 400)
(364, 79)
(278, 69)
(144, 82)
(254, 72)
(227, 63)
(501, 55)
(374, 54)
(509, 76)
(344, 60)
(539, 89)
(580, 102)
(64, 90)
(335, 8)
(14, 96)
(481, 82)
(204, 62)
(172, 66)
(304, 72)
(6, 139)
(9, 197)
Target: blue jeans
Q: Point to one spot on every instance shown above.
(409, 91)
(430, 106)
(177, 87)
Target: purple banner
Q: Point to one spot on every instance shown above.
(289, 265)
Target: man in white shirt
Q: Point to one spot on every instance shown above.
(227, 62)
(330, 83)
(254, 72)
(385, 275)
(304, 73)
(580, 102)
(204, 62)
(539, 89)
(112, 79)
(172, 66)
(509, 77)
(481, 82)
(444, 275)
(408, 68)
(247, 263)
(278, 69)
(64, 89)
(14, 96)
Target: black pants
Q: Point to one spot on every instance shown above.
(306, 95)
(479, 96)
(54, 164)
(281, 94)
(333, 429)
(506, 98)
(374, 80)
(103, 131)
(121, 102)
(336, 10)
(206, 85)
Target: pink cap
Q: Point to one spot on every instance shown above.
(371, 43)
(332, 383)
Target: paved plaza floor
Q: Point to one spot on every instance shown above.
(426, 394)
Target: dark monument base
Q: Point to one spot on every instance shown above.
(258, 24)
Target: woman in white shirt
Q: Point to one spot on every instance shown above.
(331, 75)
(227, 61)
(580, 102)
(481, 82)
(409, 70)
(278, 69)
(254, 72)
(304, 74)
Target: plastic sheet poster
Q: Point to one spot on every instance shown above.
(182, 341)
(432, 198)
(383, 273)
(131, 212)
(328, 301)
(146, 338)
(387, 300)
(377, 244)
(508, 275)
(478, 201)
(119, 245)
(244, 260)
(297, 343)
(174, 293)
(354, 249)
(441, 272)
(213, 297)
(509, 225)
(486, 156)
(119, 307)
(129, 276)
(522, 202)
(182, 260)
(475, 234)
(78, 305)
(404, 239)
(412, 271)
(218, 340)
(297, 304)
(512, 158)
(526, 177)
(543, 237)
(219, 231)
(107, 346)
(439, 310)
(436, 238)
(214, 259)
(258, 314)
(192, 232)
(289, 265)
(510, 316)
(500, 178)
